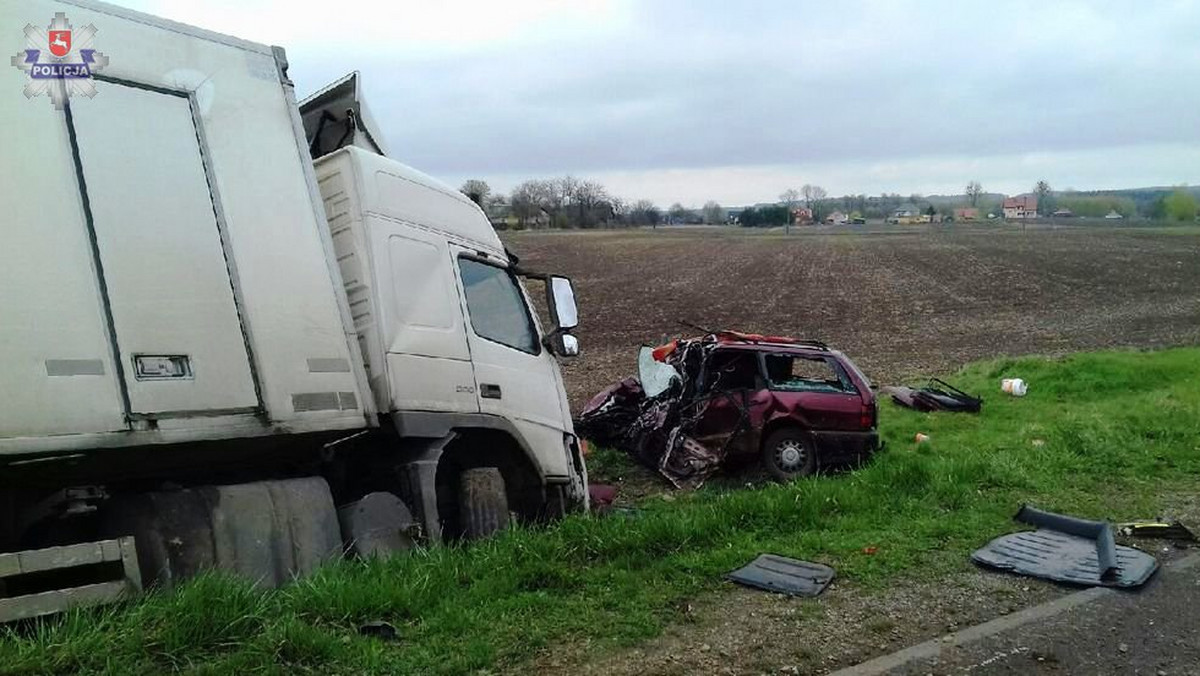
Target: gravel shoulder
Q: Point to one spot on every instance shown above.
(742, 631)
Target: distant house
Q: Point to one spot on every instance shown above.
(1021, 206)
(968, 214)
(1113, 215)
(837, 218)
(802, 216)
(504, 217)
(1062, 213)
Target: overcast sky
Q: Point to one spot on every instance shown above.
(693, 100)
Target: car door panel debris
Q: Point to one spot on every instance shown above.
(938, 395)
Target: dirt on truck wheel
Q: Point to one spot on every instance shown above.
(482, 502)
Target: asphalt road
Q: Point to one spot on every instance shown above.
(1153, 631)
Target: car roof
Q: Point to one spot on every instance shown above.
(758, 346)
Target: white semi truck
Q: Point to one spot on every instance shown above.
(234, 330)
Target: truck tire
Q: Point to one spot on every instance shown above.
(267, 531)
(482, 502)
(788, 454)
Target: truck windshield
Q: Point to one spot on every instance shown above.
(496, 305)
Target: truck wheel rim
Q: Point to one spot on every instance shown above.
(790, 455)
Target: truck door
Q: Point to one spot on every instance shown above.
(515, 376)
(163, 263)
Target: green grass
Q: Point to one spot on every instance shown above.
(1102, 435)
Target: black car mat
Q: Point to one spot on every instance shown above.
(1064, 558)
(783, 575)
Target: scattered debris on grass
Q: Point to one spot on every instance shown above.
(797, 403)
(937, 395)
(783, 575)
(1067, 549)
(1158, 529)
(602, 496)
(1014, 386)
(384, 631)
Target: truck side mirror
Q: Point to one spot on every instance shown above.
(560, 298)
(564, 344)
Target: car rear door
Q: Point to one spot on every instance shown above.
(816, 389)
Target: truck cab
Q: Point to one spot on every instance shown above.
(456, 356)
(450, 340)
(238, 335)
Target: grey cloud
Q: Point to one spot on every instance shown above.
(726, 84)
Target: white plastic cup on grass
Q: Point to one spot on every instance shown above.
(1014, 386)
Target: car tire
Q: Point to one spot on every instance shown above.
(482, 502)
(788, 454)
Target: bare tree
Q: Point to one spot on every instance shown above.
(590, 203)
(643, 212)
(974, 190)
(790, 198)
(620, 208)
(679, 214)
(477, 190)
(814, 197)
(714, 213)
(1044, 195)
(532, 199)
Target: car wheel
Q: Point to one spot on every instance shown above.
(788, 454)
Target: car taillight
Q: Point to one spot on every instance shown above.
(868, 416)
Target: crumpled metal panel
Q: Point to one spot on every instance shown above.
(783, 575)
(1064, 558)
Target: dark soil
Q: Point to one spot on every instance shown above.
(902, 302)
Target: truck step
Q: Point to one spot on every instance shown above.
(45, 581)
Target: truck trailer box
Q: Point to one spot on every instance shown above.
(166, 269)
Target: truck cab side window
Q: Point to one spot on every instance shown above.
(497, 308)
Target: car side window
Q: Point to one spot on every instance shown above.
(496, 306)
(799, 373)
(732, 370)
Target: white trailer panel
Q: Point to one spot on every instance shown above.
(181, 221)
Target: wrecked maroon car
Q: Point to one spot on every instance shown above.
(797, 404)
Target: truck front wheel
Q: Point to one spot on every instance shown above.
(482, 502)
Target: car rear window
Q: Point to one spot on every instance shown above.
(797, 373)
